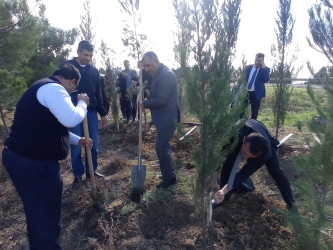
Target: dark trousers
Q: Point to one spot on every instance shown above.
(163, 152)
(39, 185)
(128, 107)
(122, 101)
(255, 104)
(273, 169)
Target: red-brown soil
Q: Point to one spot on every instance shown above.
(165, 219)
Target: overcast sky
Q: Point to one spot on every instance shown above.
(256, 33)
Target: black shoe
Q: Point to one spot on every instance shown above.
(77, 181)
(96, 174)
(166, 184)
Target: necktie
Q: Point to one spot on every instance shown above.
(252, 79)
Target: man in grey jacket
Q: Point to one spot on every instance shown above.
(165, 111)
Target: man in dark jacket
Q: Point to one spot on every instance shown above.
(259, 148)
(165, 110)
(90, 84)
(39, 138)
(127, 94)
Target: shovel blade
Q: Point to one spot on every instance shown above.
(138, 175)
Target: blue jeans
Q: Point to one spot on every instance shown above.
(39, 184)
(77, 162)
(163, 152)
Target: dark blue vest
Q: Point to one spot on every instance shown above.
(36, 133)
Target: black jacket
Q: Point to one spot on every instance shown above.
(122, 81)
(90, 84)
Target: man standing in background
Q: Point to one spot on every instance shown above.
(256, 76)
(165, 110)
(128, 95)
(90, 84)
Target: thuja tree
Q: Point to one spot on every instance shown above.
(317, 166)
(182, 47)
(132, 38)
(86, 26)
(282, 68)
(110, 82)
(208, 85)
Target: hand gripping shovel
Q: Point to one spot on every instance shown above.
(138, 174)
(89, 157)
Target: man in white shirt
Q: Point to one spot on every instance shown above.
(40, 137)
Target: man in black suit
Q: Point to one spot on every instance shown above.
(258, 147)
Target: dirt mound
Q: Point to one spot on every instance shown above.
(164, 219)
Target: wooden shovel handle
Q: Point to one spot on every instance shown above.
(140, 121)
(89, 157)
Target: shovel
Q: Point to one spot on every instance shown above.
(89, 157)
(138, 174)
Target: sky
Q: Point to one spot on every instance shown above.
(256, 32)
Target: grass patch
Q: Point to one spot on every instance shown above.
(301, 107)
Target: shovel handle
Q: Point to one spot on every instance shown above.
(140, 122)
(89, 157)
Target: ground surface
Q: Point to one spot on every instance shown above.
(165, 219)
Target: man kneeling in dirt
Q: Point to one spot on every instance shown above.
(258, 147)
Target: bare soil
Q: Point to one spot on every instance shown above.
(164, 219)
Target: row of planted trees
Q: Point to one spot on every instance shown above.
(205, 47)
(206, 37)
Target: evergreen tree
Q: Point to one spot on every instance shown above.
(53, 49)
(317, 166)
(86, 26)
(182, 47)
(132, 38)
(208, 85)
(110, 82)
(11, 89)
(321, 28)
(282, 68)
(19, 27)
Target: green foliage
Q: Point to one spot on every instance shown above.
(11, 88)
(110, 81)
(86, 26)
(321, 28)
(132, 38)
(282, 69)
(317, 166)
(53, 49)
(207, 83)
(19, 27)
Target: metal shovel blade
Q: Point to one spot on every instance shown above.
(138, 175)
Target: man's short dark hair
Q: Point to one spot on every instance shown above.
(85, 45)
(257, 142)
(151, 55)
(260, 55)
(68, 71)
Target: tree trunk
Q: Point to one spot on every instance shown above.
(3, 118)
